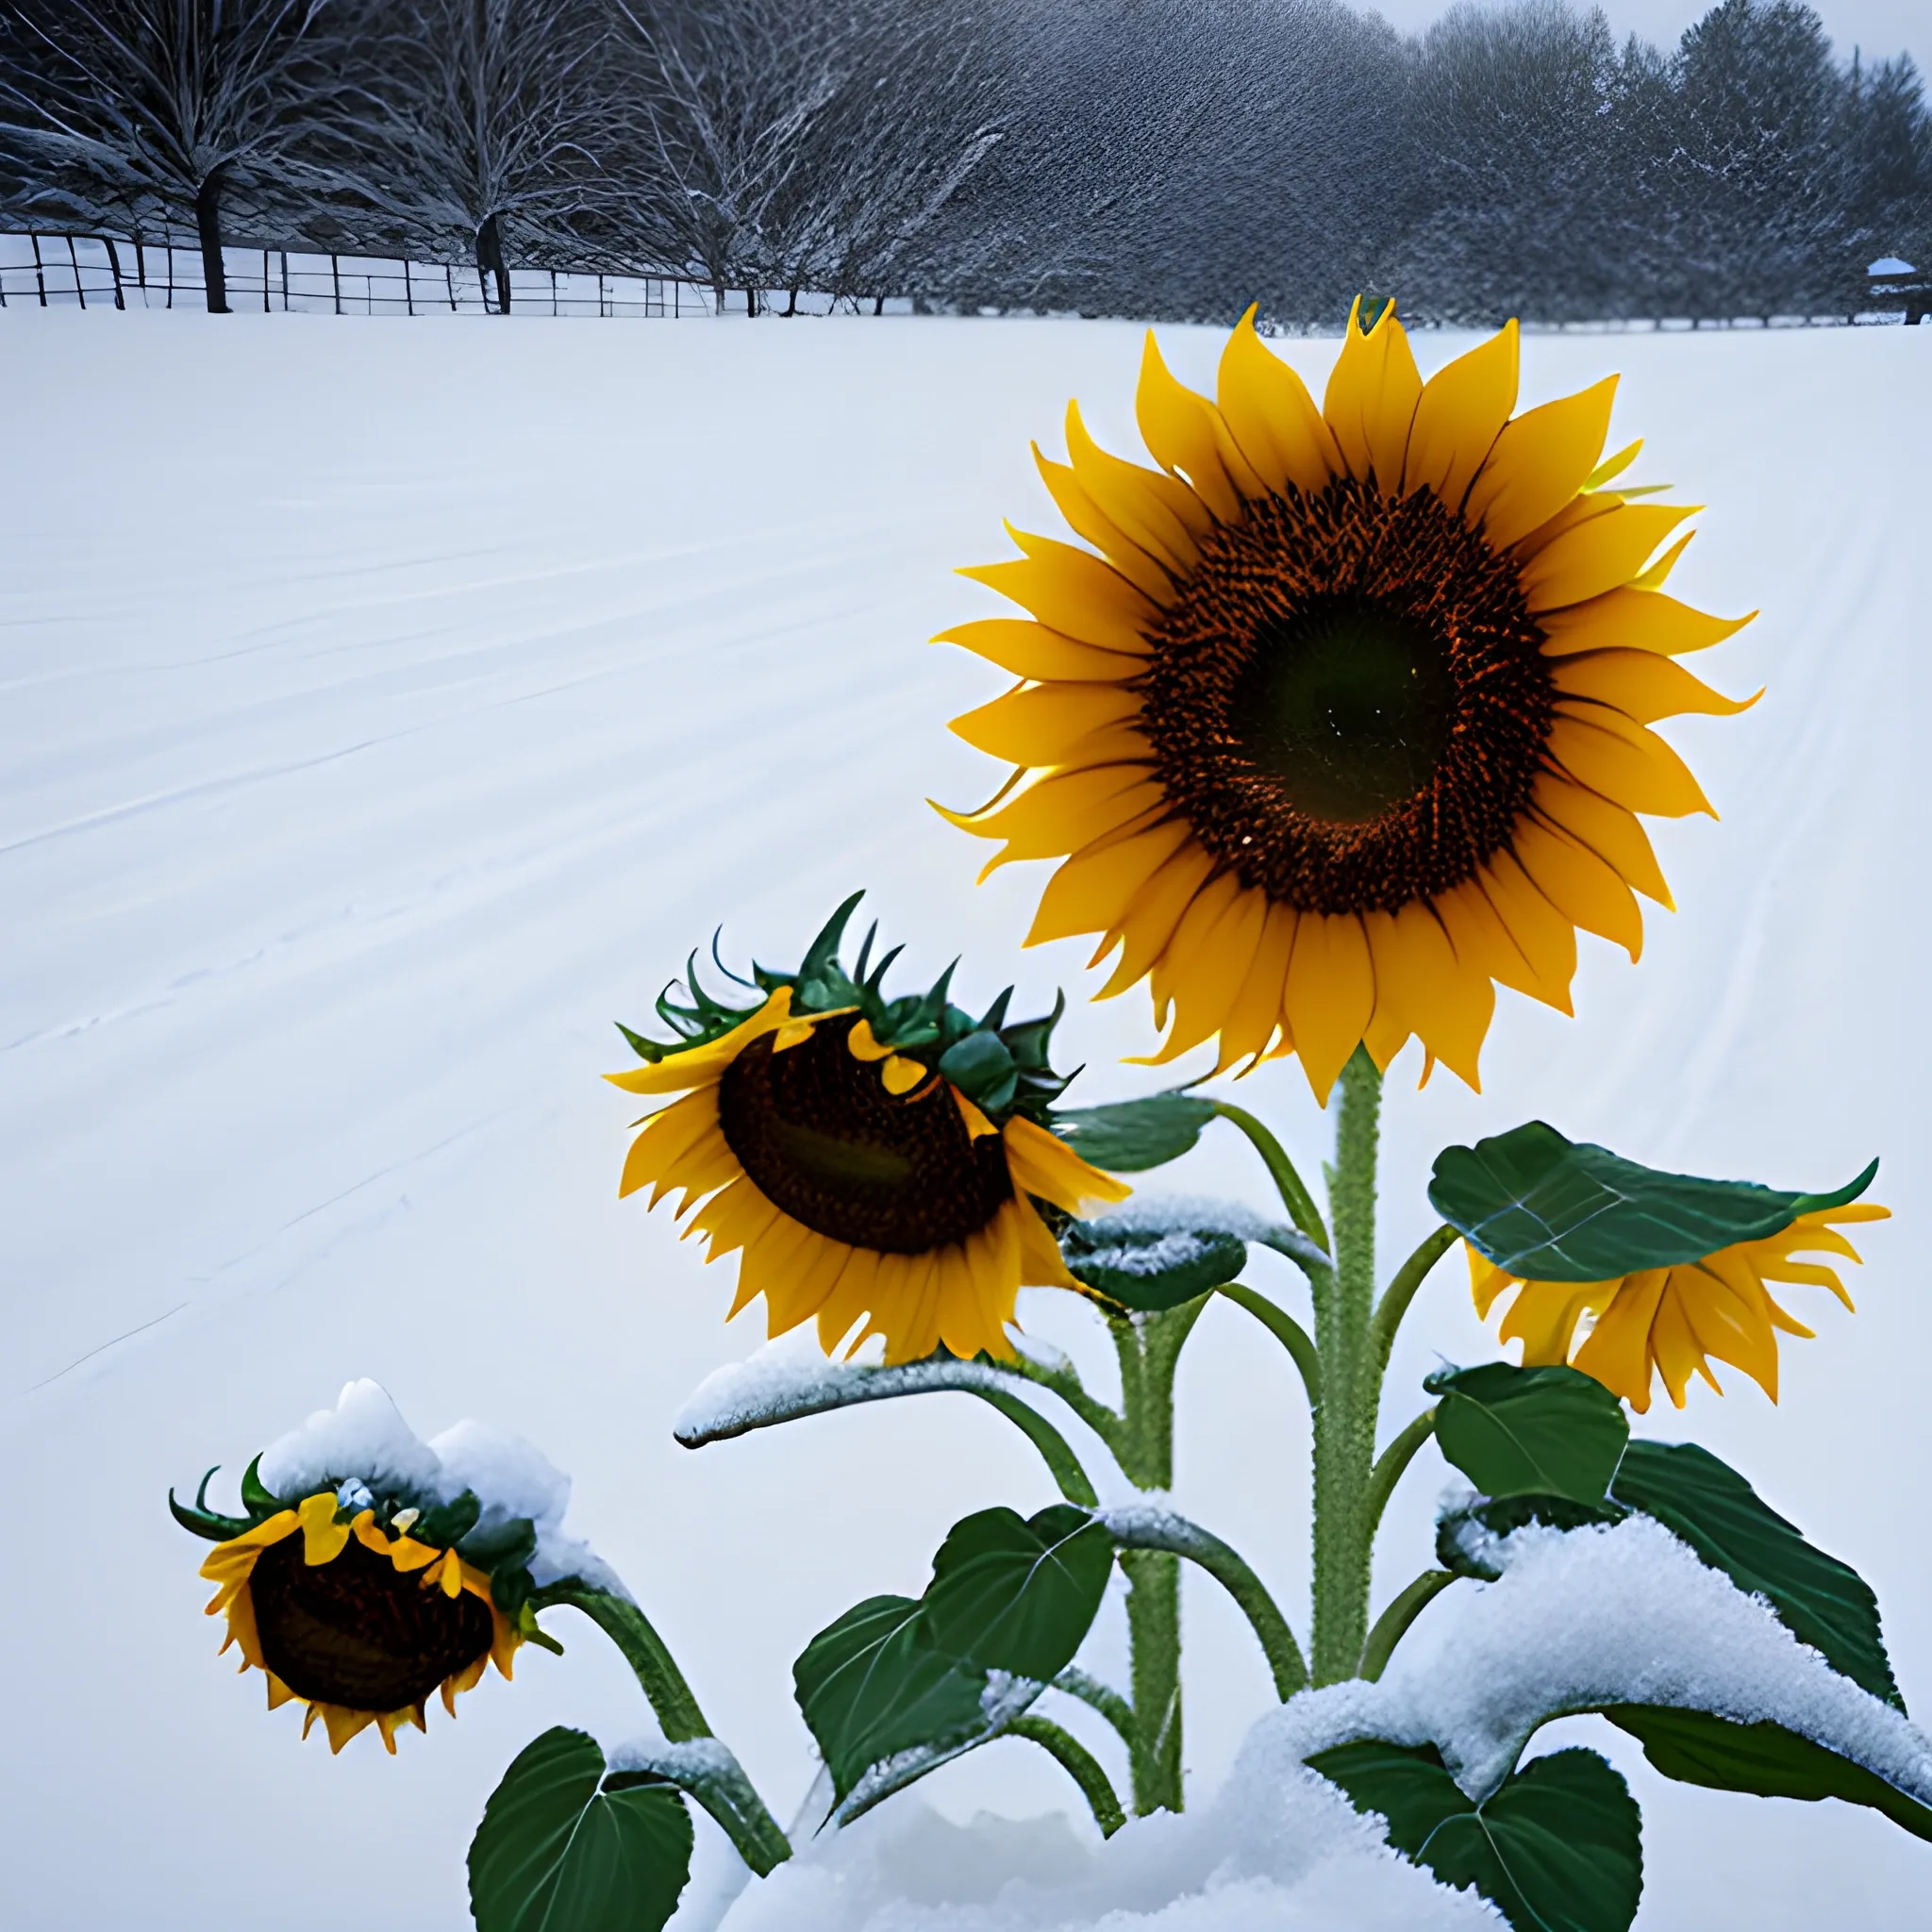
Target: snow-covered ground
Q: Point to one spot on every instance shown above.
(389, 706)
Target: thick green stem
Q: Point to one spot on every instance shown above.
(1082, 1765)
(1101, 1697)
(1153, 1634)
(644, 1651)
(1345, 1423)
(1285, 1330)
(1391, 1463)
(1392, 1624)
(1058, 1457)
(1287, 1183)
(1065, 1382)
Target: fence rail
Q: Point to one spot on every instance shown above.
(62, 270)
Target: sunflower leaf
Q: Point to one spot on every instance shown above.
(871, 1690)
(555, 1850)
(1547, 1208)
(1464, 1534)
(1823, 1602)
(1149, 1269)
(448, 1523)
(1557, 1848)
(1130, 1135)
(1696, 1747)
(1018, 1595)
(1529, 1432)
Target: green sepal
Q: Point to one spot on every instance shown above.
(1697, 1747)
(1551, 1431)
(203, 1522)
(556, 1849)
(982, 1068)
(1547, 1208)
(1131, 1136)
(503, 1552)
(448, 1523)
(256, 1498)
(1707, 1504)
(1099, 1257)
(533, 1632)
(1557, 1847)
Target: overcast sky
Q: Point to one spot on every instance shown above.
(1880, 26)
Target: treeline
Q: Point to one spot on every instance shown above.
(1172, 158)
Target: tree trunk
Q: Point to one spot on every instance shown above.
(879, 305)
(490, 260)
(208, 222)
(791, 301)
(751, 302)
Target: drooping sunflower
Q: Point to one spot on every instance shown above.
(1344, 718)
(1673, 1320)
(870, 1158)
(353, 1604)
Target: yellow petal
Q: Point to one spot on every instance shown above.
(1483, 944)
(1157, 511)
(1180, 955)
(1580, 885)
(1093, 892)
(1639, 620)
(677, 1072)
(1461, 411)
(1042, 1265)
(1599, 554)
(323, 1537)
(850, 1298)
(1063, 811)
(1070, 591)
(862, 1045)
(1041, 1163)
(1146, 923)
(1371, 399)
(1612, 833)
(1617, 1351)
(1271, 416)
(1539, 463)
(978, 1125)
(1086, 518)
(1045, 724)
(1210, 965)
(1627, 762)
(1613, 466)
(1254, 1018)
(1542, 935)
(1428, 991)
(1185, 435)
(901, 1075)
(1486, 1281)
(1643, 686)
(1031, 650)
(1331, 995)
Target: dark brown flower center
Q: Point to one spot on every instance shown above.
(1348, 702)
(826, 1145)
(358, 1632)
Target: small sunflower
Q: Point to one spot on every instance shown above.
(1348, 721)
(352, 1604)
(872, 1157)
(1673, 1320)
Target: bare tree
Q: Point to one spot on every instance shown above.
(157, 109)
(471, 123)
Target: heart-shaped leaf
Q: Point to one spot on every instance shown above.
(553, 1850)
(870, 1686)
(1546, 1431)
(1823, 1602)
(1557, 1848)
(1148, 1268)
(1765, 1759)
(1465, 1534)
(1019, 1595)
(1547, 1208)
(1131, 1136)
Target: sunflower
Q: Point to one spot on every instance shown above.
(871, 1158)
(358, 1621)
(1675, 1320)
(1348, 721)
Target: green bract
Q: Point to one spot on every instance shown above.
(1551, 1209)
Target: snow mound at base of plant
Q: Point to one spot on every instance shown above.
(1278, 1851)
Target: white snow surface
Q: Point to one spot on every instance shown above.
(389, 706)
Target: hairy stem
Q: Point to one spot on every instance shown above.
(1104, 1698)
(1064, 1381)
(1153, 1634)
(1345, 1423)
(1392, 1624)
(1287, 1183)
(1390, 1464)
(1080, 1764)
(1054, 1450)
(1285, 1330)
(644, 1651)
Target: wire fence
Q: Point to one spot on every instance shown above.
(52, 270)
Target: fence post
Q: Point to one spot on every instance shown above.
(335, 275)
(553, 295)
(114, 263)
(449, 282)
(40, 278)
(74, 256)
(408, 293)
(285, 281)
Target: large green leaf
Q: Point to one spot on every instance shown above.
(555, 1854)
(1130, 1135)
(1551, 1209)
(1557, 1848)
(1698, 1748)
(1149, 1269)
(1547, 1431)
(1824, 1603)
(1463, 1531)
(1019, 1595)
(871, 1687)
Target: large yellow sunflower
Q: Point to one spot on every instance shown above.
(869, 1158)
(358, 1623)
(1673, 1320)
(1344, 718)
